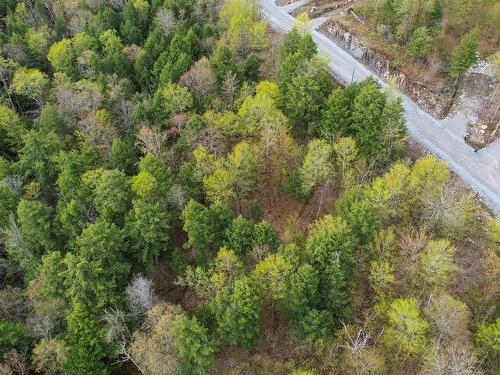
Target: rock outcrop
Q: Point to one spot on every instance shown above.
(438, 103)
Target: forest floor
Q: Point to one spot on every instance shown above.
(444, 138)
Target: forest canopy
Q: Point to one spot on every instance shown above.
(184, 191)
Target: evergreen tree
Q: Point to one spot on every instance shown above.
(85, 336)
(419, 42)
(206, 227)
(237, 311)
(195, 347)
(367, 120)
(465, 54)
(147, 228)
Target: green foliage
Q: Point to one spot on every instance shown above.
(195, 347)
(315, 325)
(8, 203)
(49, 275)
(112, 195)
(122, 157)
(367, 118)
(113, 59)
(245, 31)
(359, 214)
(304, 97)
(223, 62)
(98, 271)
(329, 240)
(205, 227)
(12, 335)
(62, 57)
(30, 83)
(488, 340)
(49, 356)
(170, 100)
(271, 275)
(240, 236)
(407, 329)
(251, 68)
(436, 263)
(295, 42)
(303, 292)
(87, 86)
(11, 130)
(419, 42)
(37, 157)
(465, 55)
(494, 235)
(237, 311)
(364, 112)
(50, 120)
(329, 249)
(135, 20)
(317, 166)
(159, 170)
(381, 278)
(219, 186)
(35, 226)
(148, 230)
(86, 339)
(336, 118)
(264, 235)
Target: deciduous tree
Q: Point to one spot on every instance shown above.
(407, 329)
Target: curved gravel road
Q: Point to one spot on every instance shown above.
(481, 170)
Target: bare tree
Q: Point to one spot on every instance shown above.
(177, 121)
(125, 115)
(13, 241)
(463, 361)
(14, 183)
(454, 359)
(150, 140)
(207, 9)
(449, 317)
(98, 134)
(229, 88)
(165, 20)
(42, 325)
(152, 347)
(212, 140)
(437, 207)
(119, 334)
(140, 295)
(15, 363)
(16, 52)
(200, 79)
(14, 305)
(7, 69)
(361, 356)
(412, 241)
(177, 197)
(358, 342)
(76, 101)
